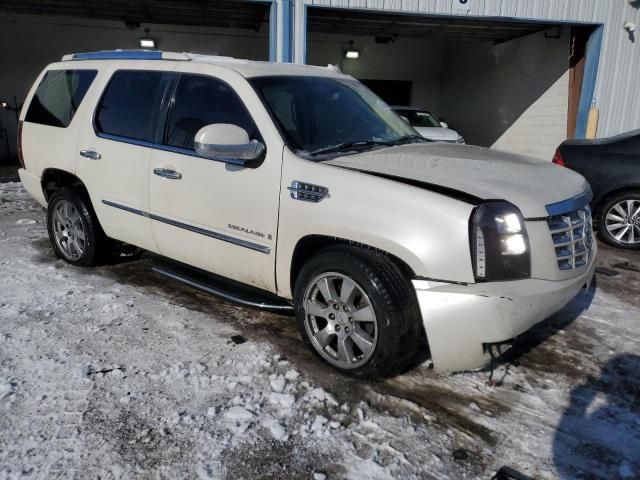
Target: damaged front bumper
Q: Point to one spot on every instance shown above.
(460, 320)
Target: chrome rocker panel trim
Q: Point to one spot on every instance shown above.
(192, 228)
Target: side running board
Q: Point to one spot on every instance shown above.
(221, 287)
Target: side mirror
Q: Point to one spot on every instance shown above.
(228, 143)
(405, 119)
(444, 125)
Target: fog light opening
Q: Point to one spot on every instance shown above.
(496, 351)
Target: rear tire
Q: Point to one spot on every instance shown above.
(619, 220)
(358, 312)
(74, 231)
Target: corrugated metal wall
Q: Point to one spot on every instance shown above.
(617, 90)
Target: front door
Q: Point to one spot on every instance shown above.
(114, 152)
(214, 215)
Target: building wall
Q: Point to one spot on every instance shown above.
(28, 43)
(420, 61)
(511, 96)
(617, 92)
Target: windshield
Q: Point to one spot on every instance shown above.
(419, 118)
(320, 115)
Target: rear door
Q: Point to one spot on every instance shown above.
(114, 150)
(215, 215)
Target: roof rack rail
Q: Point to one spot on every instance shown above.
(126, 55)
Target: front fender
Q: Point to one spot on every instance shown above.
(426, 230)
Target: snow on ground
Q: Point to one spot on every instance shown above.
(115, 373)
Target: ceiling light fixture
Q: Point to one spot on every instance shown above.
(351, 53)
(147, 41)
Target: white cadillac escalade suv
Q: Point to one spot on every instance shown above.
(295, 189)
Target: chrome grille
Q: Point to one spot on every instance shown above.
(572, 236)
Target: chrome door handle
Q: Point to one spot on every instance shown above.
(92, 154)
(167, 173)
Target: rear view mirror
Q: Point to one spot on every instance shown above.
(228, 143)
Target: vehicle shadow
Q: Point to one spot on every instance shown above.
(600, 429)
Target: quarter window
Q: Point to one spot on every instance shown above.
(130, 106)
(58, 97)
(201, 101)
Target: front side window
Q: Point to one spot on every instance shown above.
(200, 101)
(58, 97)
(320, 115)
(130, 106)
(420, 118)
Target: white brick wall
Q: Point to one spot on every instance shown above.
(511, 96)
(542, 127)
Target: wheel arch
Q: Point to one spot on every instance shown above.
(600, 203)
(309, 245)
(55, 178)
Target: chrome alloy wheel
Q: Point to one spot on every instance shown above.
(340, 320)
(68, 230)
(623, 221)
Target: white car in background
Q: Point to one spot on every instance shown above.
(427, 125)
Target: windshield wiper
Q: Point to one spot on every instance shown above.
(408, 139)
(340, 147)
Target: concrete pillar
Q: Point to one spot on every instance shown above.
(283, 30)
(299, 32)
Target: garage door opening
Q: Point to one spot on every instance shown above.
(36, 33)
(510, 85)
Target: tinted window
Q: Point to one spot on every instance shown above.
(201, 101)
(58, 96)
(314, 113)
(130, 105)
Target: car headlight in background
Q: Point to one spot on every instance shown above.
(460, 139)
(499, 242)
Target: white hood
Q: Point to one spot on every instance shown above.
(528, 183)
(438, 134)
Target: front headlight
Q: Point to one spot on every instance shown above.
(460, 139)
(499, 242)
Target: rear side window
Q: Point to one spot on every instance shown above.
(201, 101)
(58, 97)
(130, 105)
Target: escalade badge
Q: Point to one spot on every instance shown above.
(250, 232)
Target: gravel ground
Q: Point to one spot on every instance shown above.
(115, 373)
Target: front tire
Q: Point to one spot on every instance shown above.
(358, 312)
(74, 231)
(619, 221)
